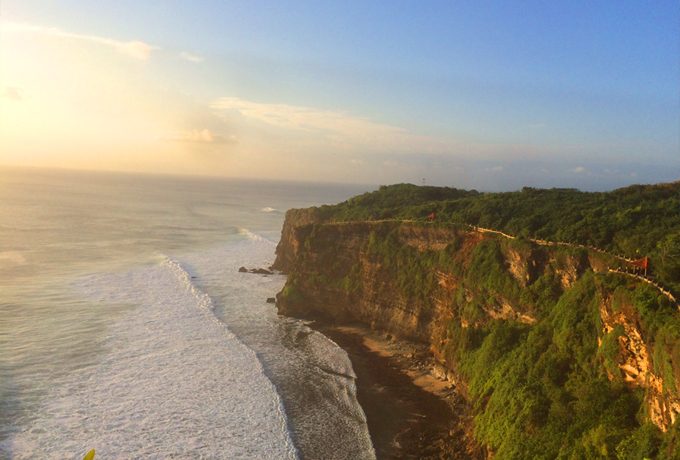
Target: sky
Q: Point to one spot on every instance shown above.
(492, 95)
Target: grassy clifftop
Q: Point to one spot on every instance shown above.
(634, 221)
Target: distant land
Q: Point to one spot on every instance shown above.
(552, 312)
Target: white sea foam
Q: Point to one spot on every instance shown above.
(135, 364)
(255, 237)
(269, 209)
(313, 375)
(174, 382)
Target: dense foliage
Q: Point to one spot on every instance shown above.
(553, 388)
(546, 390)
(633, 221)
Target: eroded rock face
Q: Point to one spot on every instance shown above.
(287, 249)
(519, 266)
(319, 258)
(332, 274)
(425, 238)
(636, 366)
(505, 311)
(570, 270)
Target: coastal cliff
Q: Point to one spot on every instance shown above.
(556, 355)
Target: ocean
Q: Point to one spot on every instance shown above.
(125, 325)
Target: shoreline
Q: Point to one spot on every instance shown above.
(410, 412)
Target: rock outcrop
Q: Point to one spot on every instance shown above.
(635, 363)
(414, 280)
(288, 247)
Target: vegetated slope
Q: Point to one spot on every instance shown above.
(636, 221)
(559, 358)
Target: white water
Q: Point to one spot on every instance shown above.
(313, 374)
(107, 344)
(174, 382)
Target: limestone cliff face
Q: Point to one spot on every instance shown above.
(324, 279)
(635, 364)
(287, 249)
(414, 280)
(333, 274)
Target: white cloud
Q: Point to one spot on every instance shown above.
(134, 49)
(202, 136)
(312, 129)
(579, 170)
(191, 57)
(305, 118)
(296, 128)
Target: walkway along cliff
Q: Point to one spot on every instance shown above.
(557, 355)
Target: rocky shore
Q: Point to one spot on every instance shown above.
(411, 412)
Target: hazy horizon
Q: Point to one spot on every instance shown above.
(491, 97)
(354, 185)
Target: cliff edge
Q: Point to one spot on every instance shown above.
(559, 357)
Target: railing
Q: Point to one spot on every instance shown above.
(639, 276)
(647, 280)
(541, 242)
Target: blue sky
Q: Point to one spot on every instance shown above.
(492, 95)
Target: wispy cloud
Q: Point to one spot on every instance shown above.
(202, 136)
(185, 55)
(305, 118)
(313, 129)
(579, 170)
(134, 49)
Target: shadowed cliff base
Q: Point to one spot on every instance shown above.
(411, 414)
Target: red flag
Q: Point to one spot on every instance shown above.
(642, 263)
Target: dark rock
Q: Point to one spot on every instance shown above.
(257, 271)
(271, 300)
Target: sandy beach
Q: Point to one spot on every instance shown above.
(410, 412)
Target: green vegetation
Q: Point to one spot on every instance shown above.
(551, 389)
(634, 221)
(541, 391)
(546, 390)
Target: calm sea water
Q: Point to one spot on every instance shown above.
(125, 325)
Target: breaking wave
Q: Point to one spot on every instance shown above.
(174, 382)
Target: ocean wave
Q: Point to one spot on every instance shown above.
(203, 300)
(314, 376)
(174, 382)
(255, 236)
